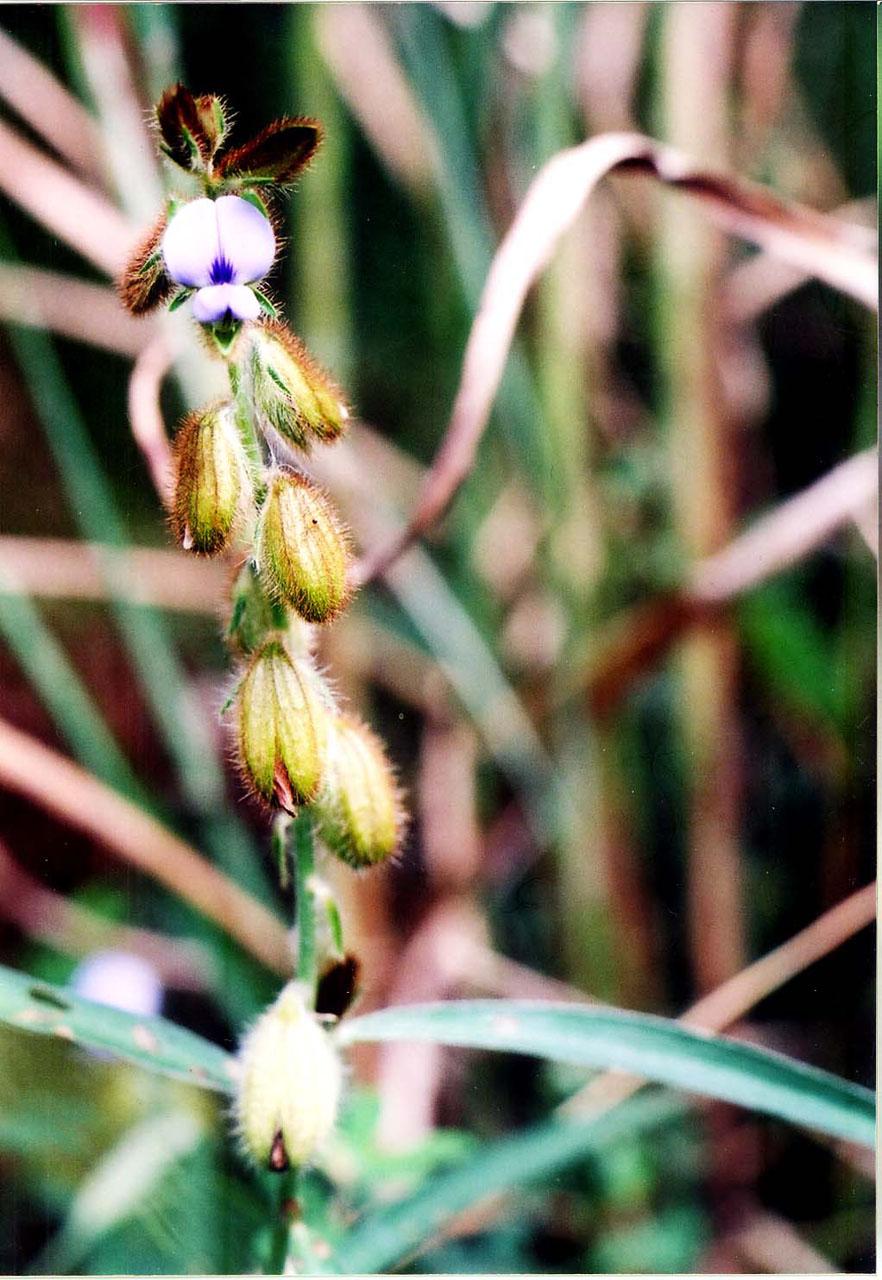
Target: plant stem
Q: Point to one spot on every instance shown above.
(304, 865)
(244, 418)
(281, 827)
(281, 1236)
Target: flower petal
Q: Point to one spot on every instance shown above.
(190, 244)
(246, 238)
(213, 303)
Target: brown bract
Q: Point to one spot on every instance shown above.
(144, 284)
(277, 154)
(182, 127)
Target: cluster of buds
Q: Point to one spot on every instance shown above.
(240, 484)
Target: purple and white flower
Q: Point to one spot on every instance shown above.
(219, 247)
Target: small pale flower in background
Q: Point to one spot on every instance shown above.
(219, 247)
(121, 980)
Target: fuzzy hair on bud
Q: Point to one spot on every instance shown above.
(283, 713)
(292, 394)
(182, 128)
(145, 283)
(360, 812)
(278, 154)
(289, 1087)
(302, 548)
(211, 479)
(211, 112)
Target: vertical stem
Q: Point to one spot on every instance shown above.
(281, 827)
(696, 50)
(304, 866)
(280, 1249)
(244, 418)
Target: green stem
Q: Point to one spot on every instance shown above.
(244, 418)
(304, 866)
(281, 1236)
(281, 827)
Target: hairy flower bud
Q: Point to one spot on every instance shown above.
(292, 394)
(301, 548)
(211, 479)
(289, 1087)
(145, 284)
(283, 718)
(361, 817)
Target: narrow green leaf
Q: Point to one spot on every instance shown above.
(265, 303)
(654, 1048)
(394, 1234)
(179, 299)
(153, 1043)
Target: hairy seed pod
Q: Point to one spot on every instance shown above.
(289, 1086)
(359, 809)
(283, 718)
(302, 548)
(211, 479)
(292, 394)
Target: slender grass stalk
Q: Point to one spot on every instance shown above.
(469, 230)
(63, 693)
(320, 258)
(695, 50)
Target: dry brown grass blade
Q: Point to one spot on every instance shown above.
(63, 204)
(774, 542)
(63, 570)
(77, 931)
(807, 240)
(49, 108)
(733, 999)
(768, 1243)
(74, 308)
(787, 534)
(361, 57)
(62, 788)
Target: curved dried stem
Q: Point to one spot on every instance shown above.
(145, 415)
(61, 787)
(834, 252)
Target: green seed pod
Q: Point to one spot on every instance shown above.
(211, 479)
(302, 548)
(289, 1085)
(292, 394)
(283, 718)
(360, 814)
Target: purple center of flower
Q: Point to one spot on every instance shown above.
(222, 271)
